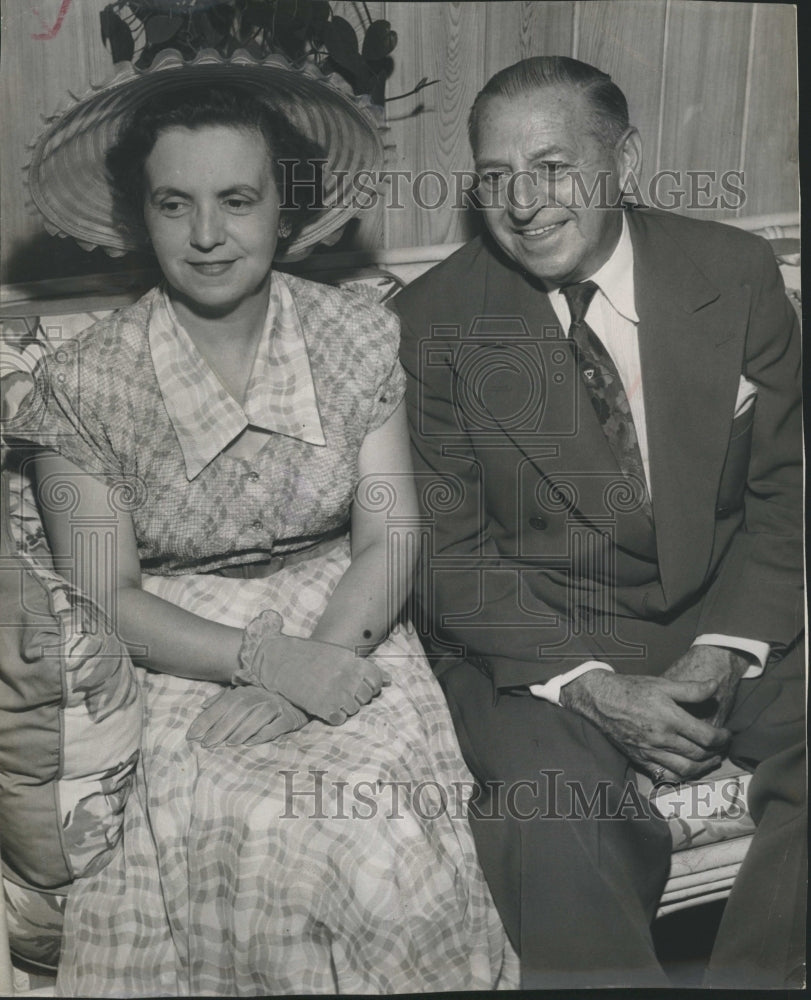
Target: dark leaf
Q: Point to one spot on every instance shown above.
(364, 78)
(316, 31)
(384, 67)
(377, 94)
(230, 47)
(116, 33)
(104, 23)
(257, 15)
(360, 80)
(292, 11)
(160, 28)
(148, 53)
(285, 11)
(187, 49)
(290, 40)
(177, 6)
(380, 40)
(221, 17)
(342, 43)
(204, 28)
(320, 10)
(141, 11)
(245, 28)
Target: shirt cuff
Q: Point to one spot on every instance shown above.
(754, 647)
(550, 691)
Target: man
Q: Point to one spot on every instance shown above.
(605, 417)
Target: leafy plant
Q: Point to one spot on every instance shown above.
(301, 30)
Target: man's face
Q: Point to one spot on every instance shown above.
(553, 220)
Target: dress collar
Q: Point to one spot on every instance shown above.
(615, 278)
(280, 396)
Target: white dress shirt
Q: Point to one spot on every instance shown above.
(613, 317)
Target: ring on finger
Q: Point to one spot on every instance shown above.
(657, 775)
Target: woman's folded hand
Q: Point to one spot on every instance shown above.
(323, 679)
(245, 716)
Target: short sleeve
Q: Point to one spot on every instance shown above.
(391, 382)
(60, 411)
(388, 396)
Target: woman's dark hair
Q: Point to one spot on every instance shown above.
(609, 109)
(297, 160)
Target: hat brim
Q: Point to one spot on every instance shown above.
(68, 179)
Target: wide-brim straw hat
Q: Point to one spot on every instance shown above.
(67, 175)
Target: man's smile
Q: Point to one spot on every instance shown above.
(541, 231)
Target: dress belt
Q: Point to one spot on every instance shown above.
(254, 570)
(267, 567)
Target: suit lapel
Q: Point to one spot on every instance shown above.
(508, 292)
(569, 427)
(690, 371)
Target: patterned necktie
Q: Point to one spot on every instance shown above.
(606, 390)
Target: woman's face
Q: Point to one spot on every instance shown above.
(212, 211)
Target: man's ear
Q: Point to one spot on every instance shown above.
(628, 152)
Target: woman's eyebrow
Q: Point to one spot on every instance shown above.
(240, 189)
(166, 191)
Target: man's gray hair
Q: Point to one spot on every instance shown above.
(609, 118)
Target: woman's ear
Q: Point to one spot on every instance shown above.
(332, 238)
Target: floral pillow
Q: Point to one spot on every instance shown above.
(70, 727)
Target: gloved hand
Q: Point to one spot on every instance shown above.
(323, 679)
(245, 716)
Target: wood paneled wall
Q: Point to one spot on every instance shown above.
(711, 86)
(43, 59)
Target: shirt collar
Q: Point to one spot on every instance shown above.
(280, 396)
(615, 278)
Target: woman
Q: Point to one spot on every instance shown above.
(250, 416)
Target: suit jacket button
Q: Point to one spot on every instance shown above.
(538, 523)
(722, 512)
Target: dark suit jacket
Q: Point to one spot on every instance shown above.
(537, 558)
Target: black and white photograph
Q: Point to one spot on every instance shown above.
(402, 498)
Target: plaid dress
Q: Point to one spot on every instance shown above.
(335, 859)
